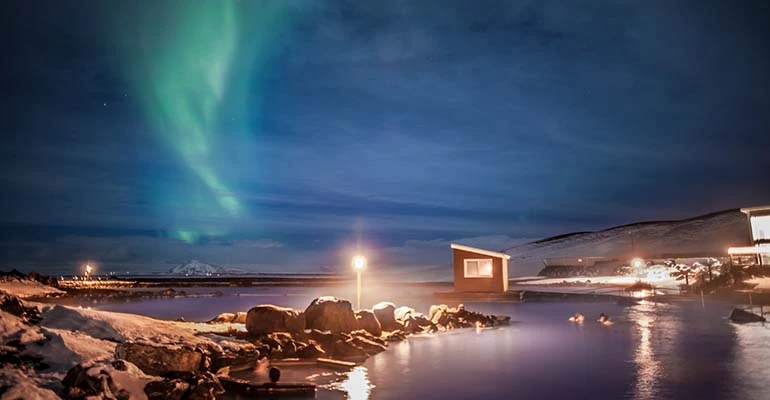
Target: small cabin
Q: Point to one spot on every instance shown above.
(759, 231)
(479, 270)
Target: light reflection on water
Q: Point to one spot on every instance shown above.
(357, 385)
(648, 368)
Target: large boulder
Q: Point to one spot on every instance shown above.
(742, 317)
(384, 312)
(368, 321)
(160, 360)
(268, 318)
(331, 314)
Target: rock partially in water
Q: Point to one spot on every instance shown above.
(167, 389)
(368, 321)
(268, 318)
(311, 350)
(223, 318)
(160, 360)
(743, 317)
(240, 318)
(330, 314)
(385, 313)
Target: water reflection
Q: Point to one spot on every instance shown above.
(357, 385)
(648, 368)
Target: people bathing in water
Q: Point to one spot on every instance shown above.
(578, 317)
(604, 319)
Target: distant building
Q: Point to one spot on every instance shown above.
(759, 230)
(562, 267)
(479, 270)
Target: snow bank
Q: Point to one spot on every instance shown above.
(21, 386)
(27, 288)
(67, 336)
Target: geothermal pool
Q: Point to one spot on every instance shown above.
(652, 351)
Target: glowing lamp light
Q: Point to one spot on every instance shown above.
(637, 263)
(89, 269)
(359, 262)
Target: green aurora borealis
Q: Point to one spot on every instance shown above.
(197, 70)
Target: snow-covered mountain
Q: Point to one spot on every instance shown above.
(709, 234)
(197, 268)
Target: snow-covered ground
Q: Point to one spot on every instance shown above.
(660, 277)
(199, 268)
(26, 288)
(68, 336)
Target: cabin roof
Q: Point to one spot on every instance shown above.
(479, 251)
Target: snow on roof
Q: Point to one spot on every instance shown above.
(479, 251)
(750, 210)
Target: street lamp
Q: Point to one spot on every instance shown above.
(359, 263)
(88, 268)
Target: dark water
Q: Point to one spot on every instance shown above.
(651, 351)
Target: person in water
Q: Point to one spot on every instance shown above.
(604, 319)
(578, 317)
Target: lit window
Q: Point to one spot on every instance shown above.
(481, 268)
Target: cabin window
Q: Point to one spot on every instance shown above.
(479, 268)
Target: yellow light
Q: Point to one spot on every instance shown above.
(748, 250)
(89, 268)
(359, 262)
(637, 262)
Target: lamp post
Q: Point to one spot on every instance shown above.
(359, 263)
(88, 269)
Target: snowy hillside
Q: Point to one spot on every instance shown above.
(198, 268)
(709, 234)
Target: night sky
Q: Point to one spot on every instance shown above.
(280, 136)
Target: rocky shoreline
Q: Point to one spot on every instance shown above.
(122, 356)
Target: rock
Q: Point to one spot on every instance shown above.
(81, 382)
(207, 387)
(223, 318)
(240, 318)
(244, 355)
(367, 321)
(269, 318)
(411, 320)
(330, 314)
(438, 314)
(369, 346)
(167, 389)
(310, 350)
(119, 365)
(385, 313)
(394, 336)
(742, 317)
(14, 305)
(159, 360)
(324, 339)
(347, 349)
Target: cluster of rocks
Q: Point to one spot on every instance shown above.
(12, 351)
(329, 327)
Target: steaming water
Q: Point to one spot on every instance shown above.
(652, 351)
